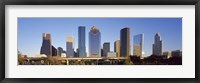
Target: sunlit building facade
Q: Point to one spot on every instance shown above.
(138, 45)
(94, 42)
(117, 48)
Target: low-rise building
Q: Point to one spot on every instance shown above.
(112, 54)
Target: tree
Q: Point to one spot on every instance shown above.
(128, 61)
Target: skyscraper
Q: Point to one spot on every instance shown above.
(94, 42)
(125, 42)
(138, 45)
(157, 46)
(70, 46)
(106, 48)
(60, 51)
(46, 47)
(81, 41)
(117, 47)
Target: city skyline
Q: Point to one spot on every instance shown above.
(161, 22)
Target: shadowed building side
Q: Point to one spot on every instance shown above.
(54, 51)
(59, 51)
(125, 42)
(46, 47)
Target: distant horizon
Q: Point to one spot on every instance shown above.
(30, 32)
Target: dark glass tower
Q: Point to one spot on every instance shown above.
(81, 41)
(46, 47)
(125, 42)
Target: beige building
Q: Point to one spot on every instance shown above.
(117, 48)
(111, 54)
(137, 50)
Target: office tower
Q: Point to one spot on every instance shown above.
(94, 42)
(125, 42)
(138, 45)
(54, 51)
(117, 47)
(70, 46)
(81, 41)
(157, 46)
(60, 51)
(106, 48)
(46, 47)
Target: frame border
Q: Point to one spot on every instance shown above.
(98, 2)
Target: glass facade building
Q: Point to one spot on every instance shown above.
(94, 42)
(138, 45)
(81, 42)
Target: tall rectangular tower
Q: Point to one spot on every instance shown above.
(138, 45)
(106, 49)
(125, 42)
(117, 47)
(70, 46)
(81, 41)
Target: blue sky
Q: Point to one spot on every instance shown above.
(30, 31)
